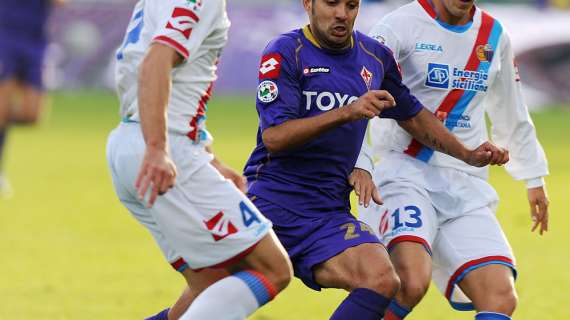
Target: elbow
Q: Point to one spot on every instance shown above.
(273, 143)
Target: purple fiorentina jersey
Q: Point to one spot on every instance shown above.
(24, 18)
(299, 79)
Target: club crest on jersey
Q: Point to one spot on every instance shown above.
(183, 20)
(485, 53)
(366, 76)
(270, 67)
(220, 227)
(267, 91)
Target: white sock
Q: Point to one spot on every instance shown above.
(232, 298)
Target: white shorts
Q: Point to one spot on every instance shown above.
(204, 220)
(451, 213)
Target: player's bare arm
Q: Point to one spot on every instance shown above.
(538, 201)
(428, 130)
(229, 173)
(157, 172)
(294, 133)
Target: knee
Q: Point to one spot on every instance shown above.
(506, 300)
(412, 290)
(382, 280)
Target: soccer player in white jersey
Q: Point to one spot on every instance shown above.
(438, 217)
(164, 174)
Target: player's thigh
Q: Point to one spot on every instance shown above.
(364, 266)
(125, 150)
(465, 244)
(207, 219)
(407, 215)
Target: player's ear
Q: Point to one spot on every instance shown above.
(308, 4)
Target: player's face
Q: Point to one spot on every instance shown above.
(460, 10)
(332, 21)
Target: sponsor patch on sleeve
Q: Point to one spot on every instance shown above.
(270, 67)
(183, 20)
(267, 91)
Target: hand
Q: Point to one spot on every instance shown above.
(370, 105)
(538, 201)
(364, 187)
(157, 173)
(229, 173)
(487, 154)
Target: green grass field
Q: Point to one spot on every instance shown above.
(69, 250)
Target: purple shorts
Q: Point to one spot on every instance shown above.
(22, 59)
(311, 241)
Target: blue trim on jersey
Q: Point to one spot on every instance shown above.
(457, 111)
(256, 286)
(456, 29)
(469, 306)
(132, 36)
(128, 120)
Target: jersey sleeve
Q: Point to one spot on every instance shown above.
(279, 90)
(184, 25)
(365, 160)
(407, 106)
(382, 33)
(512, 126)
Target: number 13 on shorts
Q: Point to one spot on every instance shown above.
(400, 220)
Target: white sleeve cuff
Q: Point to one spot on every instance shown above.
(365, 163)
(535, 183)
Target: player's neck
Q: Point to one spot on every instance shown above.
(445, 16)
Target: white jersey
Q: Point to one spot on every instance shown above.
(198, 31)
(459, 73)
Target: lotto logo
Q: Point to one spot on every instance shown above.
(438, 76)
(182, 21)
(270, 67)
(220, 227)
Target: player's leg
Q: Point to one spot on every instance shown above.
(371, 288)
(30, 105)
(200, 281)
(407, 222)
(203, 221)
(475, 265)
(413, 266)
(255, 281)
(31, 85)
(231, 233)
(492, 290)
(6, 92)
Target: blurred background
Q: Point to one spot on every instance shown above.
(71, 251)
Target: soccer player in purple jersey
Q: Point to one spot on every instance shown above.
(22, 46)
(318, 87)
